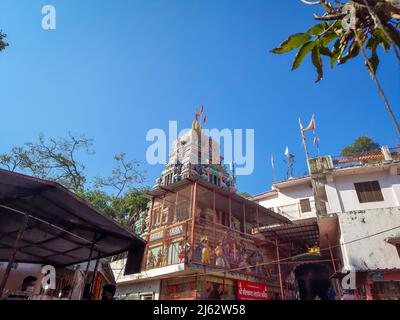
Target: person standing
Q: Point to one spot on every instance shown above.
(108, 292)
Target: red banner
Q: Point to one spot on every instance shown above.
(251, 291)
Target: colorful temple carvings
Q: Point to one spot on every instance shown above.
(197, 155)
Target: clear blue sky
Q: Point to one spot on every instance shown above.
(115, 69)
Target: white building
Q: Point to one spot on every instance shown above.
(348, 188)
(359, 196)
(195, 147)
(292, 198)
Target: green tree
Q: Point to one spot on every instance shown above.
(121, 208)
(119, 195)
(361, 144)
(340, 39)
(244, 194)
(3, 43)
(124, 176)
(51, 159)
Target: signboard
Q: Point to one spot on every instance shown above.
(376, 276)
(251, 291)
(157, 235)
(176, 230)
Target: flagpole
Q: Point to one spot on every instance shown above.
(316, 143)
(303, 137)
(273, 168)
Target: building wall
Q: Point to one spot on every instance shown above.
(287, 201)
(17, 275)
(189, 152)
(373, 252)
(137, 291)
(341, 194)
(347, 196)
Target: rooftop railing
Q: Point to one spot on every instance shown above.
(395, 152)
(365, 158)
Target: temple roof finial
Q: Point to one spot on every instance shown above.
(198, 119)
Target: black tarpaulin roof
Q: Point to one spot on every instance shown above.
(305, 232)
(61, 227)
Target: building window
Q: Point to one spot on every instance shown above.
(369, 191)
(305, 205)
(146, 296)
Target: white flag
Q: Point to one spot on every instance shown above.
(272, 161)
(316, 142)
(287, 153)
(311, 126)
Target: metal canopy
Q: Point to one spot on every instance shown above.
(306, 233)
(61, 229)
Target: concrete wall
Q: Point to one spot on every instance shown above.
(345, 198)
(373, 252)
(135, 291)
(289, 198)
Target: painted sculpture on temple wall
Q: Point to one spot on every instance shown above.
(197, 170)
(220, 258)
(204, 171)
(138, 223)
(241, 248)
(203, 252)
(228, 183)
(314, 250)
(231, 248)
(184, 249)
(177, 171)
(151, 261)
(244, 264)
(235, 224)
(257, 260)
(231, 252)
(160, 259)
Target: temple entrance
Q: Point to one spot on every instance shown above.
(313, 280)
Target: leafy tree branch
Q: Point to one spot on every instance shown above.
(120, 195)
(345, 30)
(3, 43)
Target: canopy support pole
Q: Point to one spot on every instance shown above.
(13, 255)
(230, 212)
(94, 274)
(331, 254)
(90, 256)
(279, 270)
